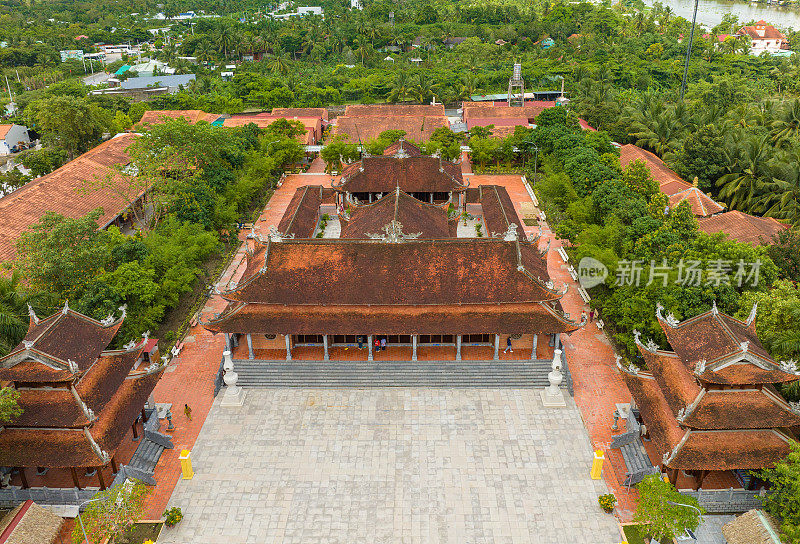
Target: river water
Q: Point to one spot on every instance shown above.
(710, 12)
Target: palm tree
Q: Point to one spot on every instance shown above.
(14, 310)
(747, 173)
(401, 91)
(204, 52)
(225, 40)
(787, 124)
(424, 89)
(279, 64)
(781, 198)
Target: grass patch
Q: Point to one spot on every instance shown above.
(632, 534)
(139, 533)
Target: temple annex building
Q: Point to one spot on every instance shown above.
(711, 404)
(401, 253)
(79, 400)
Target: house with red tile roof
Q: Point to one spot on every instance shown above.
(13, 138)
(363, 123)
(712, 404)
(69, 191)
(153, 117)
(764, 37)
(78, 397)
(670, 183)
(743, 227)
(312, 125)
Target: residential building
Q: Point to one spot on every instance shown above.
(71, 190)
(362, 123)
(13, 138)
(743, 227)
(152, 117)
(503, 117)
(712, 404)
(764, 37)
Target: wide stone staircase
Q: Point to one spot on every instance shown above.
(362, 374)
(142, 465)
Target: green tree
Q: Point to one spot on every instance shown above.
(637, 176)
(784, 501)
(9, 408)
(62, 255)
(14, 301)
(660, 519)
(701, 156)
(69, 122)
(111, 512)
(335, 152)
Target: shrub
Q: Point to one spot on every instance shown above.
(172, 516)
(607, 502)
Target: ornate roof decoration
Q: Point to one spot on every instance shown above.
(700, 367)
(393, 234)
(714, 310)
(65, 310)
(276, 236)
(744, 345)
(32, 315)
(790, 367)
(669, 319)
(73, 366)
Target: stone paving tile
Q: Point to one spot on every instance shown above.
(391, 465)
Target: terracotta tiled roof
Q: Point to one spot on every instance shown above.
(365, 128)
(154, 117)
(441, 284)
(313, 125)
(676, 382)
(4, 130)
(415, 216)
(415, 272)
(402, 148)
(64, 191)
(358, 319)
(740, 409)
(701, 449)
(762, 31)
(382, 174)
(68, 335)
(730, 349)
(743, 227)
(670, 183)
(393, 110)
(92, 407)
(302, 215)
(498, 209)
(730, 450)
(286, 113)
(482, 110)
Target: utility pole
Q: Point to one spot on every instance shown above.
(689, 50)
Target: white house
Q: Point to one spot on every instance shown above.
(764, 37)
(13, 137)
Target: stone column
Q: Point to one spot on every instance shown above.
(288, 346)
(558, 341)
(413, 347)
(325, 346)
(533, 350)
(369, 343)
(496, 347)
(458, 347)
(431, 198)
(250, 347)
(227, 341)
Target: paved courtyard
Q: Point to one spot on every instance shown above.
(465, 466)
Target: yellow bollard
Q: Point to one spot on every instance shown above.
(186, 464)
(597, 464)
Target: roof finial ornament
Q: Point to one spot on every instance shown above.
(652, 346)
(681, 415)
(146, 336)
(637, 336)
(129, 346)
(27, 344)
(714, 310)
(124, 310)
(745, 345)
(107, 320)
(511, 234)
(619, 361)
(73, 366)
(795, 407)
(393, 233)
(752, 317)
(790, 366)
(33, 315)
(700, 367)
(669, 319)
(276, 236)
(65, 310)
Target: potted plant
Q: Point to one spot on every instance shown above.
(607, 502)
(172, 516)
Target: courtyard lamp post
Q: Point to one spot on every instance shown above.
(126, 488)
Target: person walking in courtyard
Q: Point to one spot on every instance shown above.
(591, 315)
(383, 343)
(583, 316)
(377, 344)
(360, 340)
(187, 411)
(508, 345)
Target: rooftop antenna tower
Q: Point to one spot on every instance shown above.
(516, 87)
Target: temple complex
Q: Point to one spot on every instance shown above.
(416, 260)
(79, 399)
(711, 404)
